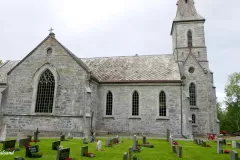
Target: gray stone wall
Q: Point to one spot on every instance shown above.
(70, 92)
(148, 121)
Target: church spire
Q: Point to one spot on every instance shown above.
(186, 11)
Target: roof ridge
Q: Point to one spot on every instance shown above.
(152, 55)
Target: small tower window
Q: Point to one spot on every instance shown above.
(162, 104)
(186, 1)
(193, 118)
(192, 94)
(135, 104)
(109, 103)
(189, 35)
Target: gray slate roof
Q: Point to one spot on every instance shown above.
(123, 69)
(134, 68)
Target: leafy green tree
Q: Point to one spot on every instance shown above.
(232, 90)
(0, 62)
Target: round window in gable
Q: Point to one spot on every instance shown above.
(49, 51)
(191, 70)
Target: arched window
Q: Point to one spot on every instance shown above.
(45, 92)
(192, 94)
(189, 35)
(135, 104)
(109, 103)
(193, 118)
(162, 104)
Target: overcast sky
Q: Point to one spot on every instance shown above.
(100, 28)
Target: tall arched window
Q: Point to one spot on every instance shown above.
(189, 35)
(109, 103)
(192, 94)
(193, 118)
(162, 104)
(135, 104)
(45, 92)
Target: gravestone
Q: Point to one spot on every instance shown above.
(55, 145)
(84, 150)
(179, 152)
(36, 138)
(23, 142)
(234, 144)
(107, 142)
(174, 150)
(168, 134)
(130, 152)
(62, 137)
(233, 155)
(144, 140)
(29, 137)
(69, 136)
(219, 146)
(63, 153)
(224, 142)
(134, 147)
(199, 141)
(3, 134)
(237, 145)
(19, 135)
(125, 156)
(8, 144)
(30, 150)
(99, 145)
(171, 140)
(84, 141)
(195, 141)
(204, 144)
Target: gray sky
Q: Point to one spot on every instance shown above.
(100, 28)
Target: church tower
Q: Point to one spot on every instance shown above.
(199, 114)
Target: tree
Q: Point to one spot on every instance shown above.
(232, 90)
(0, 62)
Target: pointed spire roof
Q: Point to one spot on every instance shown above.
(186, 11)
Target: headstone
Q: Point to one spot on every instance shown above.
(29, 137)
(62, 137)
(179, 152)
(234, 144)
(125, 156)
(69, 136)
(3, 133)
(134, 147)
(36, 138)
(174, 149)
(84, 150)
(63, 153)
(233, 155)
(23, 142)
(204, 144)
(108, 142)
(99, 145)
(130, 152)
(144, 140)
(55, 145)
(199, 141)
(168, 135)
(237, 145)
(171, 140)
(8, 144)
(219, 146)
(19, 135)
(84, 141)
(195, 141)
(30, 150)
(224, 142)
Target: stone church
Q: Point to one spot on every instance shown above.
(55, 91)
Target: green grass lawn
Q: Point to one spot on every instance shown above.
(161, 151)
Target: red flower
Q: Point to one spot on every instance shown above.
(175, 143)
(67, 158)
(227, 151)
(27, 145)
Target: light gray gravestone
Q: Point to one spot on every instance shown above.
(144, 140)
(179, 152)
(134, 147)
(219, 146)
(234, 144)
(168, 134)
(233, 155)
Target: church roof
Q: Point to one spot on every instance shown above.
(149, 68)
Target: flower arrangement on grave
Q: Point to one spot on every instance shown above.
(175, 143)
(227, 151)
(68, 158)
(89, 154)
(27, 145)
(116, 141)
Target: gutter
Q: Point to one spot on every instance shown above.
(181, 112)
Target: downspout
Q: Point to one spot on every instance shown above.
(181, 110)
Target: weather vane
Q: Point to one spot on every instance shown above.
(51, 30)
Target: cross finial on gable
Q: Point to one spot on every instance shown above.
(51, 30)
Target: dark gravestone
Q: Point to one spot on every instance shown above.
(174, 150)
(62, 138)
(219, 146)
(84, 141)
(199, 141)
(8, 144)
(179, 152)
(233, 155)
(224, 142)
(130, 152)
(144, 140)
(29, 137)
(125, 156)
(36, 138)
(237, 145)
(195, 141)
(204, 144)
(30, 150)
(63, 153)
(23, 142)
(84, 150)
(168, 135)
(55, 145)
